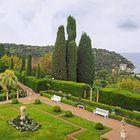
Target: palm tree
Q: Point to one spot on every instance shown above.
(8, 81)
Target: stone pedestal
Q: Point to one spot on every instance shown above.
(123, 134)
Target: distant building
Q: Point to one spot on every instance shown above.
(123, 67)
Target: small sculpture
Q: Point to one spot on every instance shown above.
(123, 131)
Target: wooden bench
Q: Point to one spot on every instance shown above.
(56, 98)
(102, 112)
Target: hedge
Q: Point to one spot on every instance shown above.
(37, 84)
(130, 117)
(130, 101)
(69, 87)
(90, 105)
(63, 100)
(119, 111)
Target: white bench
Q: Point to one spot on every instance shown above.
(56, 98)
(101, 112)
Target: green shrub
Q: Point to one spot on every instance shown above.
(119, 111)
(117, 117)
(2, 97)
(35, 83)
(46, 94)
(68, 113)
(56, 108)
(15, 101)
(99, 126)
(69, 87)
(37, 101)
(121, 98)
(68, 102)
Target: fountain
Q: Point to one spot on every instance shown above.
(23, 122)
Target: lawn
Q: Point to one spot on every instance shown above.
(52, 128)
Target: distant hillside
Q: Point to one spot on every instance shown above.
(104, 59)
(135, 58)
(21, 49)
(108, 60)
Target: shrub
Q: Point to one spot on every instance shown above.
(56, 108)
(69, 87)
(99, 126)
(37, 101)
(35, 83)
(69, 102)
(15, 101)
(119, 97)
(45, 94)
(68, 113)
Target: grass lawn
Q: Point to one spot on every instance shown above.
(51, 128)
(91, 133)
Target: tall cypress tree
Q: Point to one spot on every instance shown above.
(2, 50)
(29, 65)
(59, 56)
(23, 63)
(71, 28)
(72, 61)
(11, 63)
(85, 60)
(38, 73)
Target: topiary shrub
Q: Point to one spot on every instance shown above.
(99, 126)
(68, 114)
(15, 101)
(56, 108)
(37, 101)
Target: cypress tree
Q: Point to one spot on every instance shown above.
(85, 60)
(72, 61)
(29, 65)
(23, 63)
(11, 63)
(38, 71)
(71, 28)
(59, 56)
(2, 50)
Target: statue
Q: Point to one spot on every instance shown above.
(22, 111)
(123, 131)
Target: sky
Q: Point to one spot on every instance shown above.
(111, 24)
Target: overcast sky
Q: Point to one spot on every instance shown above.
(111, 24)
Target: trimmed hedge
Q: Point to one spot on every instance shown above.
(37, 84)
(119, 111)
(69, 87)
(116, 97)
(63, 100)
(130, 117)
(133, 122)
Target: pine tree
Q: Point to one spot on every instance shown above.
(38, 73)
(59, 56)
(72, 61)
(71, 28)
(11, 63)
(23, 63)
(2, 50)
(85, 60)
(29, 65)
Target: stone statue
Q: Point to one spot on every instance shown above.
(123, 131)
(22, 111)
